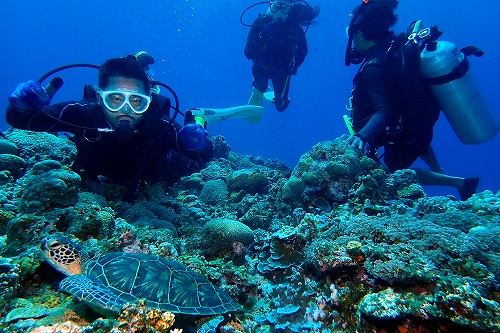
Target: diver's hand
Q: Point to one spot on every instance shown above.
(29, 96)
(355, 141)
(194, 137)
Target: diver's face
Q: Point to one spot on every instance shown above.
(359, 42)
(125, 114)
(280, 9)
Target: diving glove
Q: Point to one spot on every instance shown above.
(354, 141)
(144, 59)
(29, 96)
(194, 137)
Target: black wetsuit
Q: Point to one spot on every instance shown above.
(381, 113)
(153, 153)
(277, 49)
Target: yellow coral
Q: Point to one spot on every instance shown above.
(137, 317)
(159, 320)
(353, 245)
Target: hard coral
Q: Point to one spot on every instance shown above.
(66, 327)
(221, 234)
(14, 164)
(34, 147)
(249, 181)
(214, 191)
(328, 171)
(53, 187)
(137, 318)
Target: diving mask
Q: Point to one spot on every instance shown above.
(115, 100)
(276, 6)
(352, 55)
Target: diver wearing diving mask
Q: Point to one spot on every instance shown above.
(122, 131)
(277, 46)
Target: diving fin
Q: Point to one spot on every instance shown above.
(269, 96)
(257, 98)
(252, 113)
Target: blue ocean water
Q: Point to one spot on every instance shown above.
(198, 47)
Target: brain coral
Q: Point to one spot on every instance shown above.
(222, 234)
(213, 192)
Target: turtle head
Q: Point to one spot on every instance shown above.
(62, 254)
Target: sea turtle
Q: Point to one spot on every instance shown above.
(107, 281)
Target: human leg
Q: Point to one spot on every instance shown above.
(466, 186)
(259, 85)
(402, 156)
(281, 85)
(429, 157)
(428, 177)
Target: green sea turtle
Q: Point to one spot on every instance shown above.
(107, 281)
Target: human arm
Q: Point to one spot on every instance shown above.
(29, 109)
(302, 48)
(380, 101)
(253, 40)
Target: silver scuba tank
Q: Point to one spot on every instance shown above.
(459, 96)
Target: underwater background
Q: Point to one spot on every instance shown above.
(198, 47)
(304, 232)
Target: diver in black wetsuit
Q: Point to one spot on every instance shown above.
(277, 46)
(122, 131)
(377, 105)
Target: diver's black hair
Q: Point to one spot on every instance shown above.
(303, 13)
(125, 66)
(374, 18)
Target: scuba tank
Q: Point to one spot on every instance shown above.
(446, 70)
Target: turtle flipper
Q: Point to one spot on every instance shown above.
(94, 293)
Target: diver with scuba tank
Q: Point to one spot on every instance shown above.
(122, 129)
(394, 107)
(277, 46)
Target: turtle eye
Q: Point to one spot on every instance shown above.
(55, 244)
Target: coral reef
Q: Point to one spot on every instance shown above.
(35, 147)
(339, 244)
(46, 185)
(213, 192)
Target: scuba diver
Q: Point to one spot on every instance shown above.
(379, 105)
(277, 46)
(122, 130)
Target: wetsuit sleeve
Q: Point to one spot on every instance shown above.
(301, 47)
(60, 117)
(253, 40)
(200, 157)
(379, 99)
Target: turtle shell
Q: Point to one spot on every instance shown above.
(163, 283)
